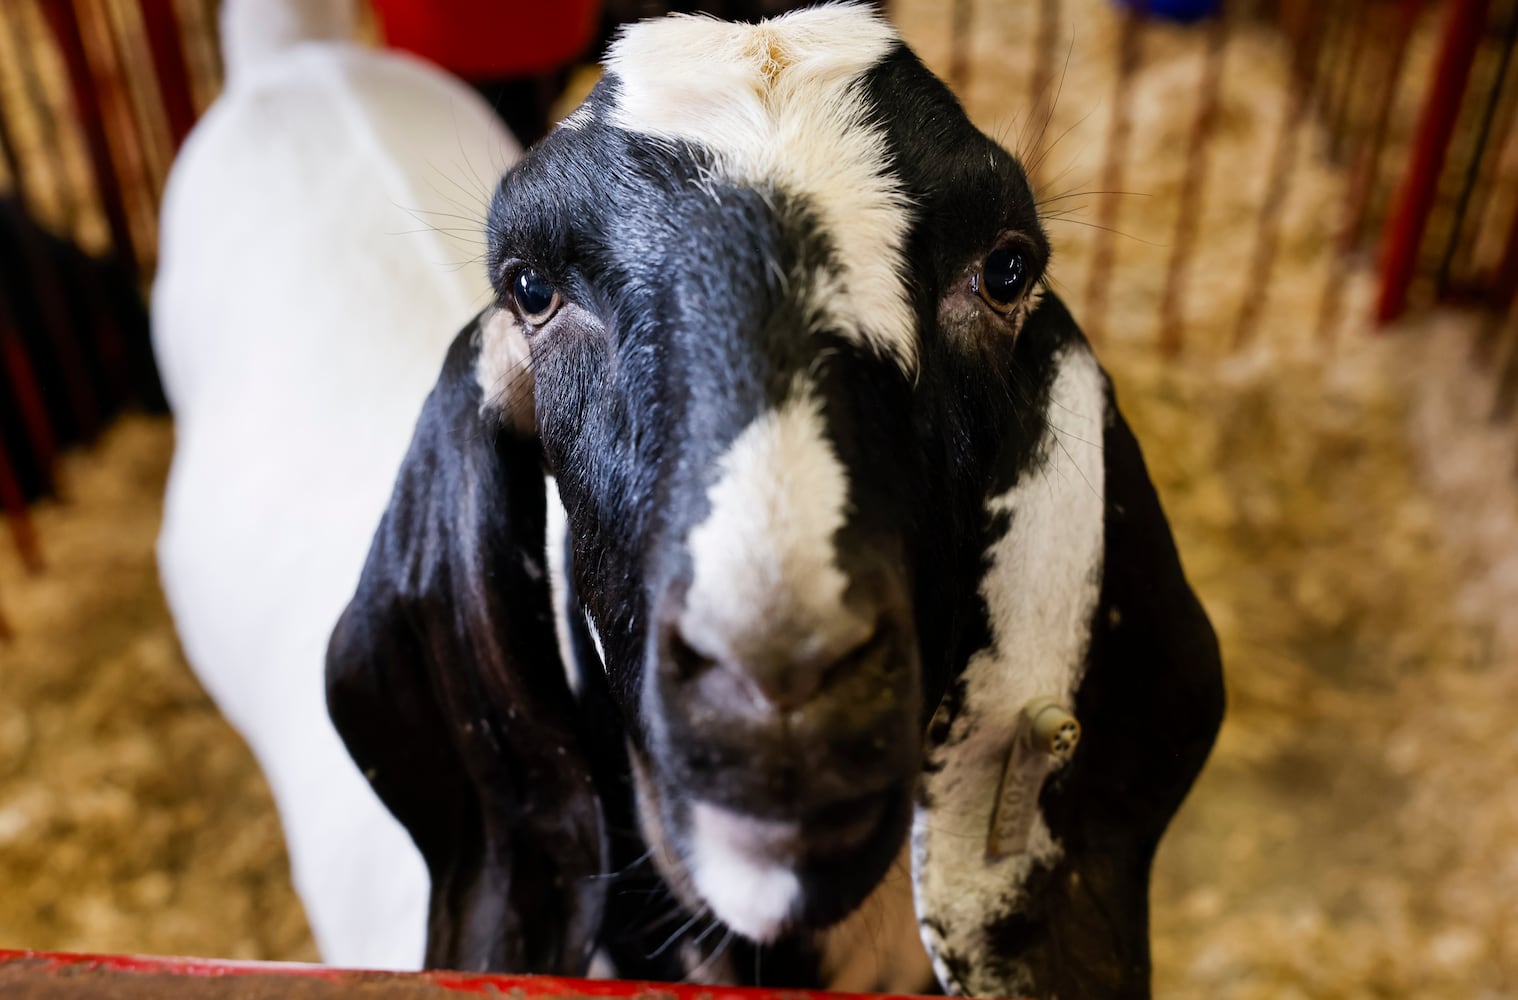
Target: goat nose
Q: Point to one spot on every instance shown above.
(779, 669)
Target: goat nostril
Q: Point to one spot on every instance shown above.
(687, 661)
(867, 651)
(790, 684)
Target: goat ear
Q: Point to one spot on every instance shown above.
(1069, 741)
(444, 680)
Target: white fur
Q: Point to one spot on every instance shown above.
(1041, 589)
(300, 315)
(751, 894)
(778, 106)
(577, 119)
(763, 559)
(504, 371)
(255, 31)
(555, 533)
(595, 638)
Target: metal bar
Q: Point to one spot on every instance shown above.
(44, 976)
(1129, 54)
(23, 534)
(1492, 176)
(1279, 184)
(110, 177)
(1366, 175)
(63, 19)
(21, 379)
(1341, 97)
(1209, 98)
(1415, 199)
(52, 302)
(1478, 152)
(166, 47)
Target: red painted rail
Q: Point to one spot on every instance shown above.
(34, 975)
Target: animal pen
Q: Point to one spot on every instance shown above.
(1376, 196)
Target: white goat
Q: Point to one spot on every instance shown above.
(303, 306)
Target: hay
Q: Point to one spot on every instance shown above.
(132, 818)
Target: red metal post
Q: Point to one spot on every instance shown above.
(37, 257)
(1415, 198)
(110, 180)
(13, 504)
(1209, 98)
(1366, 174)
(21, 380)
(166, 45)
(64, 21)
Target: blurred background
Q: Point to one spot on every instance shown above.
(1291, 229)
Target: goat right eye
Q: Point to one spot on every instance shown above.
(535, 298)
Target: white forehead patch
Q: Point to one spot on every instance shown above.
(1041, 588)
(779, 107)
(763, 559)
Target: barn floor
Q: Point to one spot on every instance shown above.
(1349, 521)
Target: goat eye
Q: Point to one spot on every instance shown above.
(535, 298)
(1002, 278)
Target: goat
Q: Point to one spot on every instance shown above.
(777, 478)
(298, 320)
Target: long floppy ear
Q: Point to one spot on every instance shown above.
(1070, 739)
(444, 680)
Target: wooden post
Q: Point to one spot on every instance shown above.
(1484, 131)
(1279, 185)
(1129, 53)
(959, 47)
(1420, 185)
(1341, 98)
(1041, 101)
(13, 504)
(20, 379)
(1209, 98)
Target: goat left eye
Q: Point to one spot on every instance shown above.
(534, 296)
(1002, 279)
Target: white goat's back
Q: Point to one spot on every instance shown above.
(300, 315)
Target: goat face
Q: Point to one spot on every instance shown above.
(736, 300)
(839, 487)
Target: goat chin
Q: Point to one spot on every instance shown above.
(306, 295)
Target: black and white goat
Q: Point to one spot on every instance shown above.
(844, 532)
